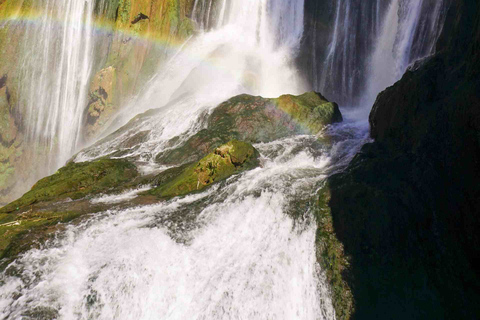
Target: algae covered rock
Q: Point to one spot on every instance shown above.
(256, 119)
(226, 160)
(39, 213)
(331, 256)
(77, 180)
(19, 232)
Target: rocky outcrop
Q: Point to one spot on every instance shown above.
(31, 219)
(67, 195)
(226, 160)
(75, 181)
(407, 209)
(101, 105)
(256, 119)
(126, 56)
(142, 35)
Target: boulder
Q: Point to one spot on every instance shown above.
(226, 160)
(75, 181)
(256, 119)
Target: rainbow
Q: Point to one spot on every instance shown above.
(101, 27)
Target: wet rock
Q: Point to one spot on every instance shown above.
(226, 160)
(63, 197)
(21, 232)
(101, 105)
(75, 181)
(407, 208)
(256, 119)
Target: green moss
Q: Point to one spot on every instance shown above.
(18, 232)
(254, 120)
(310, 110)
(331, 256)
(124, 8)
(77, 180)
(226, 160)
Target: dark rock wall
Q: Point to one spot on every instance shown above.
(340, 38)
(358, 24)
(408, 206)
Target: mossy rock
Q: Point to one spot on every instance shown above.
(19, 232)
(226, 160)
(331, 256)
(256, 119)
(310, 110)
(77, 180)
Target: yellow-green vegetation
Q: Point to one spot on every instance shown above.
(226, 160)
(18, 232)
(310, 110)
(75, 181)
(331, 256)
(10, 8)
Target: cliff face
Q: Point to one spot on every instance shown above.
(131, 38)
(407, 208)
(337, 42)
(141, 35)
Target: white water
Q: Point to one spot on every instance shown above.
(251, 52)
(232, 252)
(393, 49)
(56, 71)
(373, 43)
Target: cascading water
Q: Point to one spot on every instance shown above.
(251, 52)
(56, 71)
(371, 45)
(229, 253)
(340, 56)
(232, 252)
(410, 31)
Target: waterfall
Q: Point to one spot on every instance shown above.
(231, 252)
(56, 71)
(355, 26)
(372, 43)
(410, 31)
(252, 51)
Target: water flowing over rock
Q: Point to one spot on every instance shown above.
(191, 200)
(412, 196)
(193, 170)
(54, 90)
(354, 49)
(53, 54)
